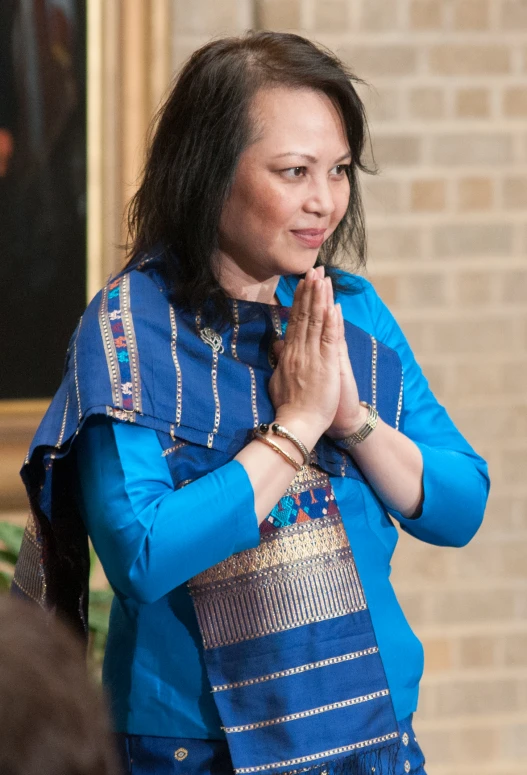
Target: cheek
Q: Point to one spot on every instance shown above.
(341, 204)
(269, 205)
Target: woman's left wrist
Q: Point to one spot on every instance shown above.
(354, 424)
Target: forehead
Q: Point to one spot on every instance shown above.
(283, 115)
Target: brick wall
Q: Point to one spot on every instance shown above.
(448, 238)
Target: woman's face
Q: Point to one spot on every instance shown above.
(290, 189)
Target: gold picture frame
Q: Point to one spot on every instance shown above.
(128, 70)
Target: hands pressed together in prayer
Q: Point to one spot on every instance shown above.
(314, 392)
(314, 378)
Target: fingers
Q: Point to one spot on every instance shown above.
(297, 300)
(301, 310)
(315, 322)
(342, 344)
(313, 297)
(340, 317)
(329, 337)
(278, 348)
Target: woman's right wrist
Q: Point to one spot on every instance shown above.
(304, 427)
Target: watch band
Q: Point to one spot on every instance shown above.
(364, 431)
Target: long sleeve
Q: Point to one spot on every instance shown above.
(455, 479)
(149, 537)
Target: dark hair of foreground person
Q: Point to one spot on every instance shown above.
(198, 137)
(52, 718)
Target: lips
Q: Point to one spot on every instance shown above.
(312, 238)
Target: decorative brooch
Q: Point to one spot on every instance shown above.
(210, 337)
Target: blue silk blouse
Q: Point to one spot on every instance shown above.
(151, 539)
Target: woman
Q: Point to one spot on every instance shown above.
(242, 442)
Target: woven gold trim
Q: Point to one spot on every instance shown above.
(295, 670)
(173, 346)
(175, 448)
(318, 756)
(109, 348)
(308, 713)
(63, 425)
(308, 478)
(253, 608)
(29, 574)
(76, 373)
(374, 372)
(290, 545)
(300, 574)
(277, 323)
(131, 342)
(234, 351)
(399, 403)
(31, 527)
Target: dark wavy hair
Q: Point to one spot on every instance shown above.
(195, 143)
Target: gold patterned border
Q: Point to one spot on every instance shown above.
(109, 348)
(293, 545)
(29, 573)
(131, 342)
(316, 591)
(299, 574)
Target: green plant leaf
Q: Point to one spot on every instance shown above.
(101, 597)
(5, 581)
(11, 535)
(98, 621)
(7, 556)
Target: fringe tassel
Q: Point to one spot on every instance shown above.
(380, 761)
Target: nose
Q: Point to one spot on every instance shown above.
(320, 199)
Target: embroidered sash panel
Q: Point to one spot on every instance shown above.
(29, 580)
(289, 645)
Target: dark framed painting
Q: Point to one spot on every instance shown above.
(42, 190)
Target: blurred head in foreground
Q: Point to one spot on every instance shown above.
(52, 718)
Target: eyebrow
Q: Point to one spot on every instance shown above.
(310, 158)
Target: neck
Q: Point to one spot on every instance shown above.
(238, 284)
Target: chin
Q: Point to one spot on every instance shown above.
(298, 263)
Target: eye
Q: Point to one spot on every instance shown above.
(341, 169)
(294, 172)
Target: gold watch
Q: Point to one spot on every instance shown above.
(364, 431)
